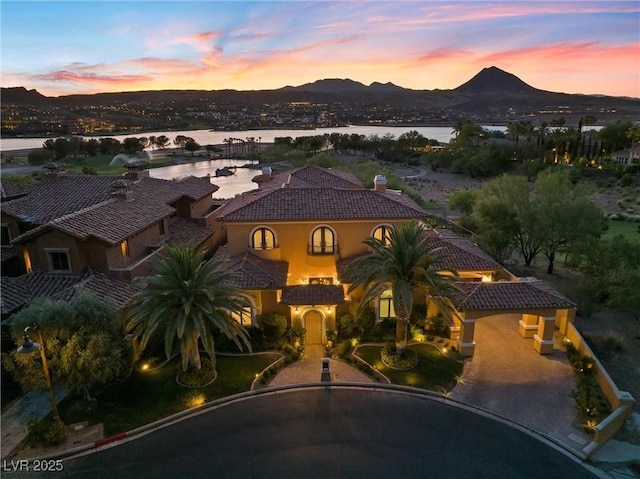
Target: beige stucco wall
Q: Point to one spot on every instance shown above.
(293, 240)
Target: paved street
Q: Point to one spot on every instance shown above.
(330, 433)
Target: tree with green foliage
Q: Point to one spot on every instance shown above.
(406, 263)
(188, 300)
(565, 212)
(83, 341)
(192, 146)
(614, 135)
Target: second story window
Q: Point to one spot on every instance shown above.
(6, 235)
(59, 261)
(382, 233)
(322, 241)
(263, 238)
(386, 305)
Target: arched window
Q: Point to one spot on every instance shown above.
(263, 238)
(245, 318)
(386, 305)
(322, 241)
(382, 233)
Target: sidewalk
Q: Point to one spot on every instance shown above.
(13, 422)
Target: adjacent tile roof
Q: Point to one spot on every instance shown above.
(525, 293)
(16, 291)
(460, 253)
(252, 272)
(285, 204)
(11, 190)
(182, 231)
(315, 176)
(313, 294)
(115, 291)
(100, 214)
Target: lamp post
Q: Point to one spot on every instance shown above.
(28, 347)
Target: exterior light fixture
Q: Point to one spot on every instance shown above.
(329, 310)
(29, 347)
(296, 311)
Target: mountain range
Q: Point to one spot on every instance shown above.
(492, 93)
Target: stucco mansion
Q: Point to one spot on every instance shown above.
(289, 241)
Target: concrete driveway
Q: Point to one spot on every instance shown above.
(508, 377)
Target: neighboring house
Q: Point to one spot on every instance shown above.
(112, 225)
(630, 156)
(290, 240)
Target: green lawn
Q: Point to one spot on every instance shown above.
(628, 229)
(434, 371)
(149, 396)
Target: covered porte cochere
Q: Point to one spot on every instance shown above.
(540, 309)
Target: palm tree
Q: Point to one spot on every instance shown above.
(403, 263)
(186, 299)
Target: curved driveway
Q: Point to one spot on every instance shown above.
(334, 432)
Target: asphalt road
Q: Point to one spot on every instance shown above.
(335, 433)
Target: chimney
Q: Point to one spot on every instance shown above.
(380, 183)
(266, 173)
(53, 170)
(136, 170)
(121, 189)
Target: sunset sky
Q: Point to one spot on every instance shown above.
(62, 48)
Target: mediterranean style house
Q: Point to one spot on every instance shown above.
(83, 230)
(289, 242)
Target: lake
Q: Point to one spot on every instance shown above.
(229, 185)
(207, 137)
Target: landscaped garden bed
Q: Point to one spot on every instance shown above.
(434, 371)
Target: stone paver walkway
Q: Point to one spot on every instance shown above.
(309, 370)
(508, 377)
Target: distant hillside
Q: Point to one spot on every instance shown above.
(491, 95)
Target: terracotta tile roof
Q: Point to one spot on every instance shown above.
(321, 204)
(460, 253)
(11, 190)
(182, 231)
(52, 198)
(315, 176)
(6, 254)
(252, 272)
(16, 291)
(313, 294)
(112, 290)
(103, 216)
(523, 294)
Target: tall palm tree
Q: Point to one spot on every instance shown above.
(403, 263)
(188, 300)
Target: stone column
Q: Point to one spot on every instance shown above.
(466, 344)
(528, 325)
(543, 340)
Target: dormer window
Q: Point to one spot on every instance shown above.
(263, 238)
(323, 241)
(382, 233)
(59, 261)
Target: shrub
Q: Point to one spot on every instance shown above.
(198, 377)
(45, 433)
(417, 333)
(626, 180)
(342, 349)
(418, 315)
(256, 338)
(366, 320)
(40, 157)
(347, 324)
(438, 325)
(390, 357)
(273, 326)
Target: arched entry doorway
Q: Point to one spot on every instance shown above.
(313, 326)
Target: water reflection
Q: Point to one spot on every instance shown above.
(230, 186)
